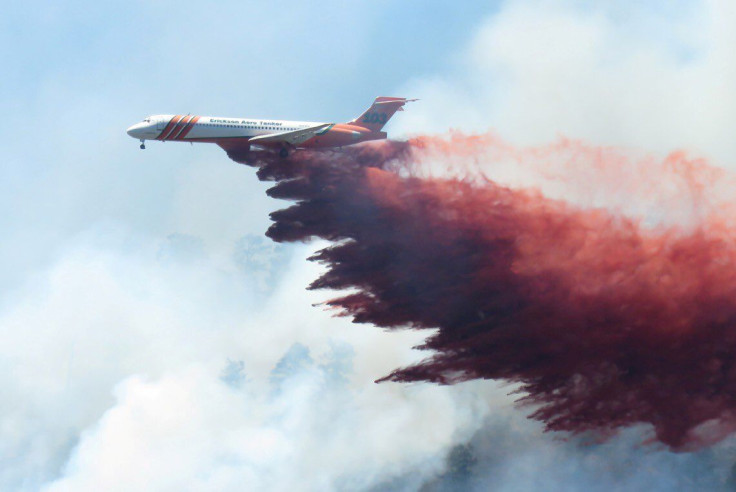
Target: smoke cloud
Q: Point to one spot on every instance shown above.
(603, 320)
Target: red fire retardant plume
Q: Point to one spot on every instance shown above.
(603, 323)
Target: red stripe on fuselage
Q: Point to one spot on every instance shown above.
(179, 127)
(169, 127)
(188, 128)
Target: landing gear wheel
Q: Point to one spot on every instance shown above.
(283, 153)
(143, 144)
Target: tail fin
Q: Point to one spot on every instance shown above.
(380, 112)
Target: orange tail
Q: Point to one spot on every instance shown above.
(380, 112)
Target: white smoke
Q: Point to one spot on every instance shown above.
(655, 75)
(159, 367)
(314, 428)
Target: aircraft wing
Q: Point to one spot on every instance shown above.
(293, 138)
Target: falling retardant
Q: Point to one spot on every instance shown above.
(600, 320)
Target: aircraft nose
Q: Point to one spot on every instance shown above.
(136, 130)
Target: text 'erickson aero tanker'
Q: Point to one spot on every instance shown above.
(237, 135)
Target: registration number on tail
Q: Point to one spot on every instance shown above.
(375, 118)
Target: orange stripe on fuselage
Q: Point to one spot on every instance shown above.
(169, 127)
(179, 127)
(188, 128)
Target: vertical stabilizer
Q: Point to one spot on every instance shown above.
(380, 112)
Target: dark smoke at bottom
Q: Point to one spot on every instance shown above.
(603, 324)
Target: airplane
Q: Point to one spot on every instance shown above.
(237, 135)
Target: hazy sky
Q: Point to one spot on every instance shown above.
(152, 342)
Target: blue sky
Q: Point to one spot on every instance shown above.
(124, 295)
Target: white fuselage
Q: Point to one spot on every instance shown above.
(209, 128)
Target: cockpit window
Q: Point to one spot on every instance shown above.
(147, 120)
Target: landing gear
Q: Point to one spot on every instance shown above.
(284, 153)
(143, 144)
